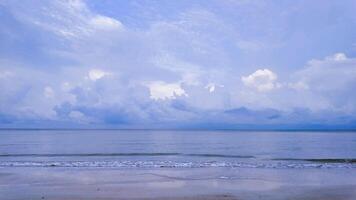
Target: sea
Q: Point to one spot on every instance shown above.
(126, 149)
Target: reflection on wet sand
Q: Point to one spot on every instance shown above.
(177, 184)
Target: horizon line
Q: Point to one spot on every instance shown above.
(186, 129)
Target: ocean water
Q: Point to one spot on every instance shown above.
(176, 149)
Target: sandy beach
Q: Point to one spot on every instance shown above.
(135, 184)
(177, 100)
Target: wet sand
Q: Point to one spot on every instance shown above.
(177, 184)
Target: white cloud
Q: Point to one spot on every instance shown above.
(332, 72)
(105, 23)
(263, 80)
(71, 19)
(161, 90)
(189, 52)
(333, 79)
(337, 57)
(96, 74)
(212, 87)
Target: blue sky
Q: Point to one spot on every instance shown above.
(178, 64)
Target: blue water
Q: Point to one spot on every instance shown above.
(185, 149)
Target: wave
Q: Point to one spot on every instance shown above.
(125, 154)
(171, 164)
(321, 160)
(205, 155)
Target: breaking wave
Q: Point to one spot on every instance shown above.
(173, 164)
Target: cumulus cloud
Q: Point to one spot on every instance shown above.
(174, 66)
(161, 91)
(332, 78)
(263, 80)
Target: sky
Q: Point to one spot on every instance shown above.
(219, 64)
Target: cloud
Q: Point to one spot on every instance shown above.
(263, 80)
(105, 23)
(337, 57)
(96, 74)
(332, 78)
(161, 91)
(212, 86)
(176, 64)
(70, 19)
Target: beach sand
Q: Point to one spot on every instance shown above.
(177, 184)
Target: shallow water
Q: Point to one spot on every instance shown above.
(18, 183)
(176, 149)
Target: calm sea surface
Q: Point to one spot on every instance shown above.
(176, 149)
